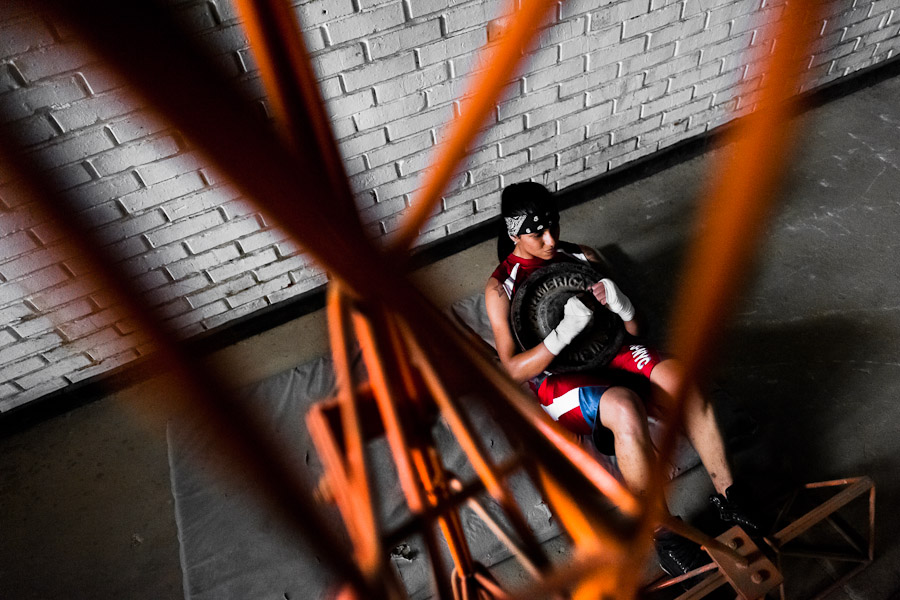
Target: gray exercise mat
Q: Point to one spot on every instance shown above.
(231, 549)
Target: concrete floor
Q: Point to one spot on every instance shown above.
(814, 356)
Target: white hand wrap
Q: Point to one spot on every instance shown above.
(576, 317)
(616, 301)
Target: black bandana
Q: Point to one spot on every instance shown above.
(531, 223)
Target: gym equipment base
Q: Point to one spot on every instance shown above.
(759, 575)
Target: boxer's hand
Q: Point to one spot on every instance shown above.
(599, 291)
(608, 293)
(576, 317)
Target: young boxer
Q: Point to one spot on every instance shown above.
(598, 403)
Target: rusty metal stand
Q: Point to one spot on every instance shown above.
(858, 549)
(401, 403)
(760, 575)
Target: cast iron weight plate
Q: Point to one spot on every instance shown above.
(538, 307)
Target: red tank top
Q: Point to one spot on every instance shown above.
(514, 270)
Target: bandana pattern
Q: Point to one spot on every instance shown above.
(513, 224)
(530, 223)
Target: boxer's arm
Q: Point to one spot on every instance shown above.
(521, 366)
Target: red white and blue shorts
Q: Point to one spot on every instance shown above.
(573, 399)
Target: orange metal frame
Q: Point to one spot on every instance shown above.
(858, 550)
(418, 363)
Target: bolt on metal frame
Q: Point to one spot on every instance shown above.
(419, 364)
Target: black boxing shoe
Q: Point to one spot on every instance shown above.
(678, 555)
(734, 509)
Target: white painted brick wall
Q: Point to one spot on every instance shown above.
(606, 83)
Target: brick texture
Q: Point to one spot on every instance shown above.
(605, 84)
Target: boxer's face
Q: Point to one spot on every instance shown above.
(541, 244)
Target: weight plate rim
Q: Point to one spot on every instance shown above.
(564, 363)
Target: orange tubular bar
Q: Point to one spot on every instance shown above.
(484, 467)
(359, 495)
(482, 100)
(276, 40)
(735, 212)
(740, 199)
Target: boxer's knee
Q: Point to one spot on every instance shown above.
(622, 412)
